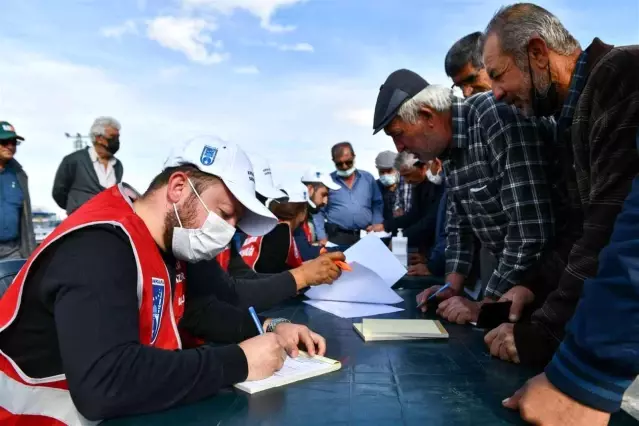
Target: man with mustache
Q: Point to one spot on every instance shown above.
(537, 65)
(495, 168)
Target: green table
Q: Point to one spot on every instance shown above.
(453, 382)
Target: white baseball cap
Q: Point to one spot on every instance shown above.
(315, 176)
(264, 179)
(227, 161)
(297, 193)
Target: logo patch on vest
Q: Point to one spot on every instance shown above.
(158, 306)
(208, 155)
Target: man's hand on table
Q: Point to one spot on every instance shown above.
(501, 343)
(293, 334)
(416, 258)
(419, 270)
(376, 228)
(520, 296)
(322, 242)
(265, 355)
(542, 404)
(459, 310)
(321, 270)
(456, 284)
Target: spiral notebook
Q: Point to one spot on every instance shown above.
(294, 370)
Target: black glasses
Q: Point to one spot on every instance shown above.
(5, 142)
(347, 163)
(467, 81)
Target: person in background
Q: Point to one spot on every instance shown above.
(17, 237)
(464, 65)
(388, 181)
(356, 205)
(419, 224)
(87, 172)
(91, 326)
(318, 184)
(496, 177)
(538, 66)
(597, 360)
(436, 263)
(277, 251)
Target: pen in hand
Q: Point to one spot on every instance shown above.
(342, 265)
(256, 320)
(432, 296)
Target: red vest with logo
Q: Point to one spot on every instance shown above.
(224, 259)
(46, 401)
(253, 246)
(306, 227)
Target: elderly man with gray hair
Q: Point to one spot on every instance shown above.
(496, 178)
(86, 172)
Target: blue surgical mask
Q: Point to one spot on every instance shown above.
(346, 173)
(389, 179)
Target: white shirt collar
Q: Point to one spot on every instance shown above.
(94, 156)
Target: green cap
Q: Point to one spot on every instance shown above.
(7, 131)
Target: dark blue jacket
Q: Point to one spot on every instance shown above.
(599, 357)
(306, 249)
(437, 258)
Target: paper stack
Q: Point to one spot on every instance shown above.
(366, 290)
(399, 329)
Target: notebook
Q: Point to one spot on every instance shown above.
(295, 369)
(399, 329)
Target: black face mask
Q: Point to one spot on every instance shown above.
(113, 144)
(313, 210)
(547, 104)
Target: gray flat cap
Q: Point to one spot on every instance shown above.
(385, 160)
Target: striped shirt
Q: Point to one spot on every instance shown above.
(498, 189)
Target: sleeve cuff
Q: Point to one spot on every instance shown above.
(457, 267)
(535, 346)
(575, 375)
(234, 364)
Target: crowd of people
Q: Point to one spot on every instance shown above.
(526, 188)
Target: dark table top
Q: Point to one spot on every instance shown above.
(450, 382)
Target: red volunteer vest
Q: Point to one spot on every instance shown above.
(253, 245)
(307, 231)
(224, 259)
(46, 401)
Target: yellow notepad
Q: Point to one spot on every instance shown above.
(295, 369)
(392, 329)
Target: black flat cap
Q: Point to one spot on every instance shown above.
(399, 87)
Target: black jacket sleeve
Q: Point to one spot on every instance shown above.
(109, 372)
(63, 181)
(420, 222)
(262, 291)
(274, 251)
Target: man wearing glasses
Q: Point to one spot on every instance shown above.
(17, 239)
(355, 206)
(465, 67)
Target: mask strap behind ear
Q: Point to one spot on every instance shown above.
(197, 195)
(177, 215)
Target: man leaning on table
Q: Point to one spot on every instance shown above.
(495, 171)
(90, 328)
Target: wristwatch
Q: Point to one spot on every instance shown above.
(274, 323)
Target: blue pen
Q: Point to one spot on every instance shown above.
(432, 296)
(256, 320)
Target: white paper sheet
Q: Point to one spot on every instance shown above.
(352, 310)
(372, 253)
(329, 244)
(360, 285)
(380, 234)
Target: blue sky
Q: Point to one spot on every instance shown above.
(284, 78)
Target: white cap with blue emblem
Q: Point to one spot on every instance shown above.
(264, 178)
(297, 193)
(229, 162)
(315, 176)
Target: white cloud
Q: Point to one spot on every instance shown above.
(357, 116)
(187, 35)
(170, 73)
(251, 69)
(298, 47)
(127, 27)
(263, 9)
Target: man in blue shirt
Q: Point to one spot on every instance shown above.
(17, 239)
(355, 206)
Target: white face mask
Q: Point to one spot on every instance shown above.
(195, 245)
(346, 173)
(435, 179)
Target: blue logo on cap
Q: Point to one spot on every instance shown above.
(318, 174)
(208, 155)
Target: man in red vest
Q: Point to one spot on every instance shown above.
(90, 327)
